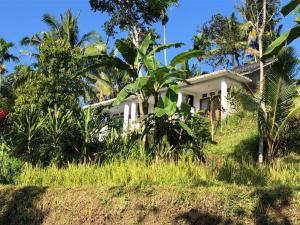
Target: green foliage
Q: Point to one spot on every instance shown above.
(7, 95)
(89, 124)
(26, 131)
(198, 135)
(128, 14)
(66, 28)
(289, 36)
(57, 125)
(279, 96)
(10, 168)
(223, 39)
(117, 146)
(55, 82)
(5, 55)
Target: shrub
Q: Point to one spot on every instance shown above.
(10, 167)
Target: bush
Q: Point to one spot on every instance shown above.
(182, 141)
(119, 146)
(10, 168)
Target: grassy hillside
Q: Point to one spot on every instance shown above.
(238, 137)
(228, 188)
(152, 205)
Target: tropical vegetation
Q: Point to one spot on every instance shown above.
(52, 135)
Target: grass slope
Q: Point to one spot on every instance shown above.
(237, 138)
(226, 189)
(152, 205)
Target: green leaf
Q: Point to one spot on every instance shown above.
(162, 47)
(140, 83)
(290, 7)
(168, 105)
(150, 62)
(297, 11)
(107, 61)
(127, 52)
(186, 56)
(97, 49)
(146, 43)
(130, 89)
(124, 93)
(185, 108)
(187, 129)
(159, 112)
(284, 39)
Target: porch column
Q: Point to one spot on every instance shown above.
(179, 100)
(150, 108)
(133, 116)
(197, 102)
(224, 105)
(126, 116)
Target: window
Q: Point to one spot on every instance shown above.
(204, 105)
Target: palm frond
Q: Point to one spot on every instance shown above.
(51, 21)
(90, 37)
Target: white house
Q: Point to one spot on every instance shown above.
(197, 93)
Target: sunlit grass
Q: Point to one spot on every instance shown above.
(164, 173)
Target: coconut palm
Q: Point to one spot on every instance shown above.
(65, 28)
(281, 99)
(164, 20)
(5, 55)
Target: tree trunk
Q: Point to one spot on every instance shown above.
(136, 43)
(165, 42)
(261, 81)
(135, 38)
(156, 123)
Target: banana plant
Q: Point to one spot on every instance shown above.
(289, 36)
(132, 59)
(157, 79)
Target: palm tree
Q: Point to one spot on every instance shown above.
(263, 17)
(164, 20)
(5, 55)
(65, 28)
(281, 99)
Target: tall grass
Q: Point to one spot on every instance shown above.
(163, 173)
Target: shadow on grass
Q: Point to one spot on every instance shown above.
(17, 206)
(246, 150)
(240, 166)
(196, 217)
(271, 205)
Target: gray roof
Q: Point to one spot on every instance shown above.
(250, 68)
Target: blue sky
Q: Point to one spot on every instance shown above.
(19, 18)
